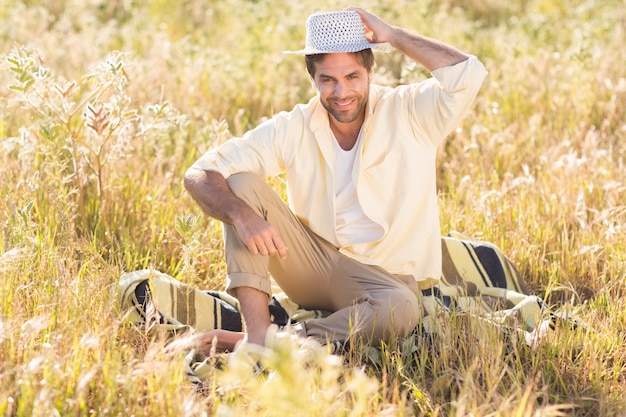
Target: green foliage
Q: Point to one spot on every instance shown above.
(105, 104)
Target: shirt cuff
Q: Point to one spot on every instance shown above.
(208, 162)
(459, 76)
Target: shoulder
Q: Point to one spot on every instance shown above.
(300, 113)
(400, 95)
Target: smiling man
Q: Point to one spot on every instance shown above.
(360, 236)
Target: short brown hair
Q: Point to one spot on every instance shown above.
(365, 58)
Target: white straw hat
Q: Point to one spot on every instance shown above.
(333, 32)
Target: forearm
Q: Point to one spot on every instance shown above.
(429, 53)
(212, 193)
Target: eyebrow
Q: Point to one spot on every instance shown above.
(322, 75)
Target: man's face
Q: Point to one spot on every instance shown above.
(343, 85)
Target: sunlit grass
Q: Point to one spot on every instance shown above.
(105, 104)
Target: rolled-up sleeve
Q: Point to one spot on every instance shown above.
(258, 152)
(442, 101)
(468, 74)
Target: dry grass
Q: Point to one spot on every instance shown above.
(94, 143)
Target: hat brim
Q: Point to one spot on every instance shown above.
(382, 47)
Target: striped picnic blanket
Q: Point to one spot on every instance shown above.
(477, 278)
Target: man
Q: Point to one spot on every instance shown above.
(361, 235)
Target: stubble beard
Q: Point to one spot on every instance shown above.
(342, 116)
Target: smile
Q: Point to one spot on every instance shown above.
(343, 104)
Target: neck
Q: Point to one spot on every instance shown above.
(346, 133)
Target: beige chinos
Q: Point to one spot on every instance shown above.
(365, 302)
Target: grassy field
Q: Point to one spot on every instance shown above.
(105, 104)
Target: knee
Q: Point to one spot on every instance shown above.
(403, 313)
(255, 192)
(242, 183)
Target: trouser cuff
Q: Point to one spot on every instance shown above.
(245, 279)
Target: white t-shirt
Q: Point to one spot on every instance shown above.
(351, 223)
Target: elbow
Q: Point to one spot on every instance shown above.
(192, 178)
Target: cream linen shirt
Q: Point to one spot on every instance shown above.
(394, 169)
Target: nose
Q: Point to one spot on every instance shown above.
(340, 88)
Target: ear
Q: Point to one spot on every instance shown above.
(313, 84)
